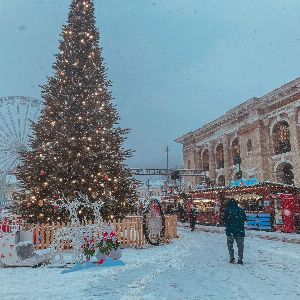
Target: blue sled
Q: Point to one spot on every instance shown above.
(89, 265)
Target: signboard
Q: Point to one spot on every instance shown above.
(288, 206)
(244, 182)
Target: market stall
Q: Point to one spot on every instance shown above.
(269, 206)
(208, 204)
(206, 211)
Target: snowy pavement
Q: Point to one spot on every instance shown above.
(195, 266)
(277, 236)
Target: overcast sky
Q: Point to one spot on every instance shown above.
(175, 64)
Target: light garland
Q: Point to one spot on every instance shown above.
(77, 136)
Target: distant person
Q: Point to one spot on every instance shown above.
(193, 217)
(234, 218)
(168, 210)
(181, 213)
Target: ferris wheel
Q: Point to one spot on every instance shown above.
(16, 116)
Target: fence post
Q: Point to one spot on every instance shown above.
(136, 233)
(141, 232)
(47, 235)
(129, 231)
(119, 229)
(133, 232)
(52, 233)
(123, 232)
(42, 235)
(37, 236)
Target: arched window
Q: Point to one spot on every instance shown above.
(281, 137)
(284, 173)
(221, 180)
(220, 156)
(235, 151)
(205, 160)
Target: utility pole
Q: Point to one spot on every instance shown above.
(148, 187)
(168, 150)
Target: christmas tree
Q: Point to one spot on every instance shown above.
(77, 142)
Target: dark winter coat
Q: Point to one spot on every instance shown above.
(234, 218)
(193, 215)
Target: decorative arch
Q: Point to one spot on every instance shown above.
(205, 160)
(281, 137)
(220, 156)
(235, 151)
(280, 162)
(277, 120)
(284, 173)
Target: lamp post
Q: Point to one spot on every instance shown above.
(239, 161)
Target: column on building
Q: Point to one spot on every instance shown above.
(212, 161)
(266, 146)
(195, 164)
(227, 159)
(189, 163)
(294, 139)
(198, 162)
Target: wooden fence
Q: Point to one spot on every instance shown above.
(129, 232)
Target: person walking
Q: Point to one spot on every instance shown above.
(193, 217)
(234, 218)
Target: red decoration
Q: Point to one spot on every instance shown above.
(55, 196)
(42, 173)
(101, 261)
(156, 208)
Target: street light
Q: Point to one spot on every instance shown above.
(239, 173)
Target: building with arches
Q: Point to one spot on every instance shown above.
(263, 134)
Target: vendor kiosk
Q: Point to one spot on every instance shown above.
(268, 206)
(207, 211)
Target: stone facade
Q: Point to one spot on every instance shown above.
(264, 132)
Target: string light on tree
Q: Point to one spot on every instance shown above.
(77, 139)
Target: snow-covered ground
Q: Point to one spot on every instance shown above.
(195, 266)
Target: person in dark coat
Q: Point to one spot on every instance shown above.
(234, 218)
(193, 217)
(181, 212)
